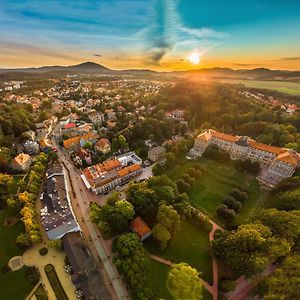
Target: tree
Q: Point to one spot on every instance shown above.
(23, 240)
(284, 282)
(142, 198)
(115, 145)
(248, 249)
(131, 262)
(183, 283)
(239, 195)
(55, 244)
(122, 141)
(183, 187)
(88, 145)
(226, 213)
(5, 157)
(289, 200)
(283, 224)
(231, 203)
(168, 223)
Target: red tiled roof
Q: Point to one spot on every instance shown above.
(139, 227)
(70, 125)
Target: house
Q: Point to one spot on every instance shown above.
(276, 163)
(84, 155)
(157, 153)
(139, 227)
(22, 162)
(31, 147)
(110, 113)
(103, 146)
(96, 117)
(86, 276)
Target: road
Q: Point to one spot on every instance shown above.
(80, 200)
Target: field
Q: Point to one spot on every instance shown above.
(286, 87)
(218, 180)
(8, 249)
(191, 245)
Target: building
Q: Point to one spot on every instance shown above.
(276, 163)
(76, 142)
(157, 153)
(139, 227)
(96, 117)
(31, 147)
(102, 178)
(22, 162)
(57, 216)
(103, 146)
(85, 275)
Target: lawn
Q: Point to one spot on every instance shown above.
(191, 245)
(8, 249)
(218, 180)
(292, 88)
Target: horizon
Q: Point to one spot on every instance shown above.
(170, 35)
(149, 69)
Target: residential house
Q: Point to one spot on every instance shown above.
(22, 162)
(139, 227)
(103, 146)
(157, 153)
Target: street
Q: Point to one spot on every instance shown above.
(80, 199)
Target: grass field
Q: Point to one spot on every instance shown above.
(218, 180)
(8, 249)
(190, 245)
(285, 87)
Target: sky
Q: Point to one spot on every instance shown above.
(153, 34)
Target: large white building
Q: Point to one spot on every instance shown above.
(276, 163)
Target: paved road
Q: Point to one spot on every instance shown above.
(80, 204)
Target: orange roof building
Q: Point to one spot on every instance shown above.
(139, 227)
(69, 143)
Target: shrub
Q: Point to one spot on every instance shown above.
(226, 213)
(43, 251)
(231, 203)
(227, 285)
(239, 195)
(183, 187)
(48, 268)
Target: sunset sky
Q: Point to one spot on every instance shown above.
(156, 34)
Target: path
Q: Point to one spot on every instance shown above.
(215, 286)
(212, 289)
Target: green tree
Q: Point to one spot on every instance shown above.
(122, 141)
(183, 283)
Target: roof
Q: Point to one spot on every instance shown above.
(205, 136)
(128, 170)
(102, 143)
(138, 226)
(157, 150)
(289, 157)
(264, 147)
(70, 125)
(111, 164)
(223, 136)
(22, 158)
(69, 142)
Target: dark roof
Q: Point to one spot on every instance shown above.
(86, 276)
(242, 141)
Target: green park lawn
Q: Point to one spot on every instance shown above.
(191, 245)
(157, 277)
(217, 181)
(8, 249)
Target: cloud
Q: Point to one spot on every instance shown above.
(167, 34)
(244, 65)
(291, 58)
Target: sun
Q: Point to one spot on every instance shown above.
(194, 58)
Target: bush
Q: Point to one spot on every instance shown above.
(49, 268)
(231, 203)
(43, 251)
(239, 195)
(224, 212)
(32, 275)
(215, 153)
(227, 285)
(183, 187)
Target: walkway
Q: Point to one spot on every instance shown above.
(32, 257)
(212, 289)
